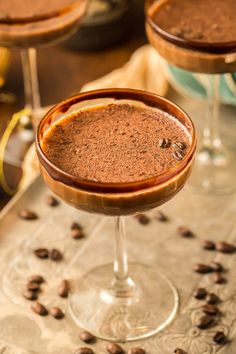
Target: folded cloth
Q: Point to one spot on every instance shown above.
(143, 71)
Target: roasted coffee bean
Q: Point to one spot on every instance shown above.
(76, 226)
(185, 232)
(180, 351)
(218, 278)
(51, 201)
(205, 322)
(180, 145)
(40, 309)
(200, 293)
(64, 288)
(56, 255)
(208, 245)
(212, 299)
(178, 155)
(136, 351)
(33, 286)
(217, 267)
(27, 214)
(87, 337)
(225, 247)
(177, 32)
(219, 338)
(160, 216)
(114, 348)
(143, 219)
(210, 309)
(84, 350)
(57, 313)
(30, 295)
(41, 253)
(202, 268)
(36, 279)
(164, 143)
(77, 234)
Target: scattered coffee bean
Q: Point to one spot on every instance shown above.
(27, 214)
(180, 145)
(217, 267)
(51, 201)
(84, 350)
(64, 288)
(218, 278)
(57, 313)
(180, 351)
(87, 337)
(164, 143)
(225, 247)
(185, 232)
(136, 351)
(40, 309)
(210, 309)
(178, 155)
(114, 348)
(36, 279)
(143, 219)
(202, 268)
(219, 338)
(212, 299)
(76, 226)
(33, 286)
(56, 255)
(205, 322)
(208, 245)
(160, 216)
(200, 293)
(41, 253)
(77, 234)
(30, 295)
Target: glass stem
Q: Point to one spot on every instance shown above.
(211, 135)
(122, 284)
(30, 76)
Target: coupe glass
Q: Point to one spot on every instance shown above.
(118, 303)
(28, 33)
(215, 165)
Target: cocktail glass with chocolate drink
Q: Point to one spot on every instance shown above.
(200, 36)
(28, 24)
(118, 152)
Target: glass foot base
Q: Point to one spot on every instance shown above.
(149, 310)
(214, 171)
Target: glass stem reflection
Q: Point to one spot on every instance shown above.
(122, 285)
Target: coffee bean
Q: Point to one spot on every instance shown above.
(218, 278)
(51, 201)
(33, 286)
(180, 145)
(210, 309)
(208, 245)
(76, 226)
(219, 338)
(200, 293)
(114, 348)
(30, 295)
(87, 337)
(143, 219)
(164, 143)
(136, 351)
(205, 322)
(27, 214)
(77, 234)
(64, 288)
(185, 232)
(56, 255)
(40, 309)
(57, 313)
(225, 247)
(180, 351)
(212, 299)
(202, 268)
(36, 279)
(84, 351)
(178, 155)
(217, 267)
(41, 253)
(160, 216)
(178, 32)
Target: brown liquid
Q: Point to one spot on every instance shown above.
(115, 143)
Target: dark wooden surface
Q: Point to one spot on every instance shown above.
(62, 72)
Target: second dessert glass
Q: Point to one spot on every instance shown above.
(119, 302)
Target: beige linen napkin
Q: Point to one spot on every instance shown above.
(144, 71)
